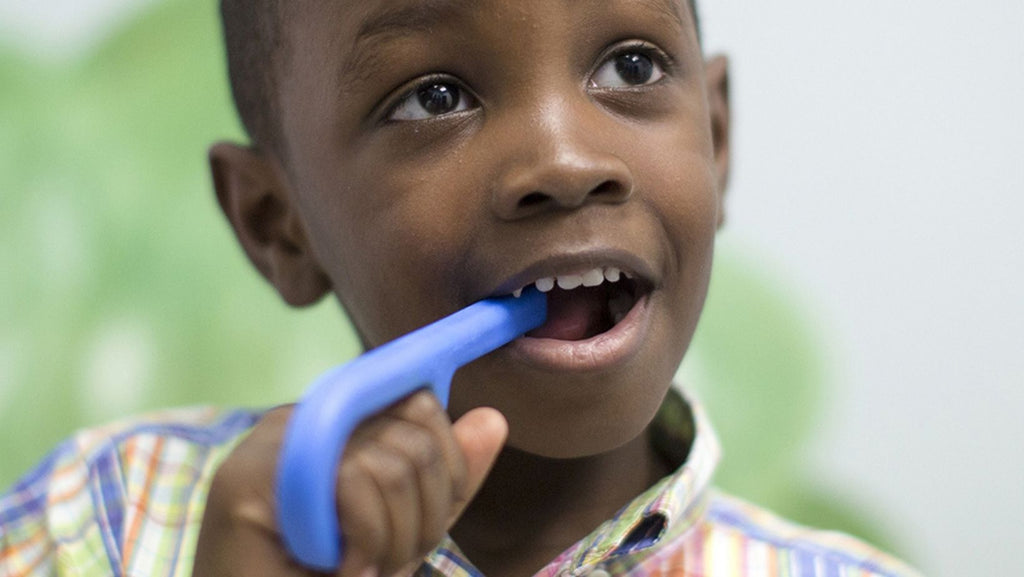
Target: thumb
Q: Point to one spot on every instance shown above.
(480, 435)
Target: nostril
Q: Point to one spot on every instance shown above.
(610, 189)
(532, 199)
(607, 188)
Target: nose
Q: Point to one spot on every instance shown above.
(558, 161)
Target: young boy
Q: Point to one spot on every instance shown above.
(411, 157)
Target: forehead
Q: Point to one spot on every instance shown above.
(357, 27)
(383, 16)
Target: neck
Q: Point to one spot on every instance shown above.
(532, 508)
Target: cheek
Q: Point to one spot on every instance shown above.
(678, 179)
(680, 190)
(394, 244)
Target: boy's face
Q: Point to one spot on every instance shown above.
(441, 152)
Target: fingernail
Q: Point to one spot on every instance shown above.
(369, 572)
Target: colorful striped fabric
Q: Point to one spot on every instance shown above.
(125, 499)
(128, 499)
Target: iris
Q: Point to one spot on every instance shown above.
(635, 69)
(438, 99)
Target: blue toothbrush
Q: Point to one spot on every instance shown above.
(343, 397)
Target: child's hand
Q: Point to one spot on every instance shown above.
(404, 479)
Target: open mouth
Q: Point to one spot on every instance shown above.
(584, 306)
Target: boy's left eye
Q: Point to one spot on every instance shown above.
(627, 69)
(431, 99)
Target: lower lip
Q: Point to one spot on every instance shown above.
(604, 351)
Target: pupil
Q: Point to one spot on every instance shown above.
(634, 68)
(439, 98)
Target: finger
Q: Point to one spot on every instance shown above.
(419, 446)
(364, 517)
(405, 441)
(480, 434)
(425, 410)
(438, 488)
(395, 478)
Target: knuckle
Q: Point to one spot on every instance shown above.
(350, 471)
(393, 474)
(423, 452)
(422, 407)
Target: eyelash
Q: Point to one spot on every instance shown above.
(424, 83)
(659, 58)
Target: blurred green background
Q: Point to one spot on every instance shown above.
(123, 289)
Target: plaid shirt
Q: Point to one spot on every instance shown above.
(128, 499)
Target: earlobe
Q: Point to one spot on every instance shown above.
(256, 202)
(716, 71)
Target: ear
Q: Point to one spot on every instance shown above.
(716, 71)
(253, 194)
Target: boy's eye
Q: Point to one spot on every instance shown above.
(627, 69)
(429, 100)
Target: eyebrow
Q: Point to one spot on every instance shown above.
(416, 16)
(668, 8)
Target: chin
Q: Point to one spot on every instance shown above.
(575, 443)
(568, 416)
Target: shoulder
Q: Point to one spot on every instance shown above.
(105, 489)
(204, 428)
(127, 458)
(764, 536)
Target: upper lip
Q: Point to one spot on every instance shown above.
(577, 262)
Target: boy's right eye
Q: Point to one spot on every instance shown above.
(431, 99)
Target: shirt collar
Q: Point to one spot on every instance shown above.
(669, 508)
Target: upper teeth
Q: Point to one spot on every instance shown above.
(590, 278)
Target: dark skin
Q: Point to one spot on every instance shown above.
(461, 150)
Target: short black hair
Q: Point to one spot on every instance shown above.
(255, 42)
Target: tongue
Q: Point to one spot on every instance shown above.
(573, 315)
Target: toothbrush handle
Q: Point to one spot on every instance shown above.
(343, 397)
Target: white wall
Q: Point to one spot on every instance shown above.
(880, 163)
(879, 150)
